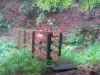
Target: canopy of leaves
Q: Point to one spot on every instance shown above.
(54, 5)
(86, 3)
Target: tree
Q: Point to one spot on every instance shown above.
(89, 5)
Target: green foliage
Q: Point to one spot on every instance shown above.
(97, 6)
(85, 4)
(54, 47)
(83, 35)
(77, 37)
(90, 56)
(3, 23)
(40, 18)
(54, 5)
(90, 40)
(20, 61)
(64, 40)
(1, 16)
(5, 48)
(27, 9)
(93, 53)
(16, 61)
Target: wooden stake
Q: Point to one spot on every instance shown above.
(49, 46)
(60, 44)
(33, 41)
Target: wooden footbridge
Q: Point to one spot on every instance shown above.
(41, 43)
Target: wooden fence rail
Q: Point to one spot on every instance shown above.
(27, 38)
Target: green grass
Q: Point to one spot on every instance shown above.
(13, 61)
(88, 57)
(5, 48)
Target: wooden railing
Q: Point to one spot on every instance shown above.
(27, 38)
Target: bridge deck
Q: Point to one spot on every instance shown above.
(59, 64)
(63, 66)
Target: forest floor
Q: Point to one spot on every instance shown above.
(89, 70)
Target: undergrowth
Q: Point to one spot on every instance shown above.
(90, 56)
(5, 48)
(14, 61)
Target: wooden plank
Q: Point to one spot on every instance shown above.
(54, 52)
(40, 54)
(29, 41)
(56, 34)
(44, 41)
(41, 51)
(63, 66)
(28, 45)
(28, 36)
(16, 37)
(22, 38)
(55, 45)
(55, 39)
(19, 37)
(58, 58)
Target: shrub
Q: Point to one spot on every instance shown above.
(5, 48)
(20, 61)
(76, 37)
(83, 35)
(17, 61)
(3, 22)
(93, 53)
(88, 57)
(27, 9)
(40, 18)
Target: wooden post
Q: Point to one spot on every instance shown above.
(18, 38)
(33, 41)
(24, 38)
(49, 46)
(60, 44)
